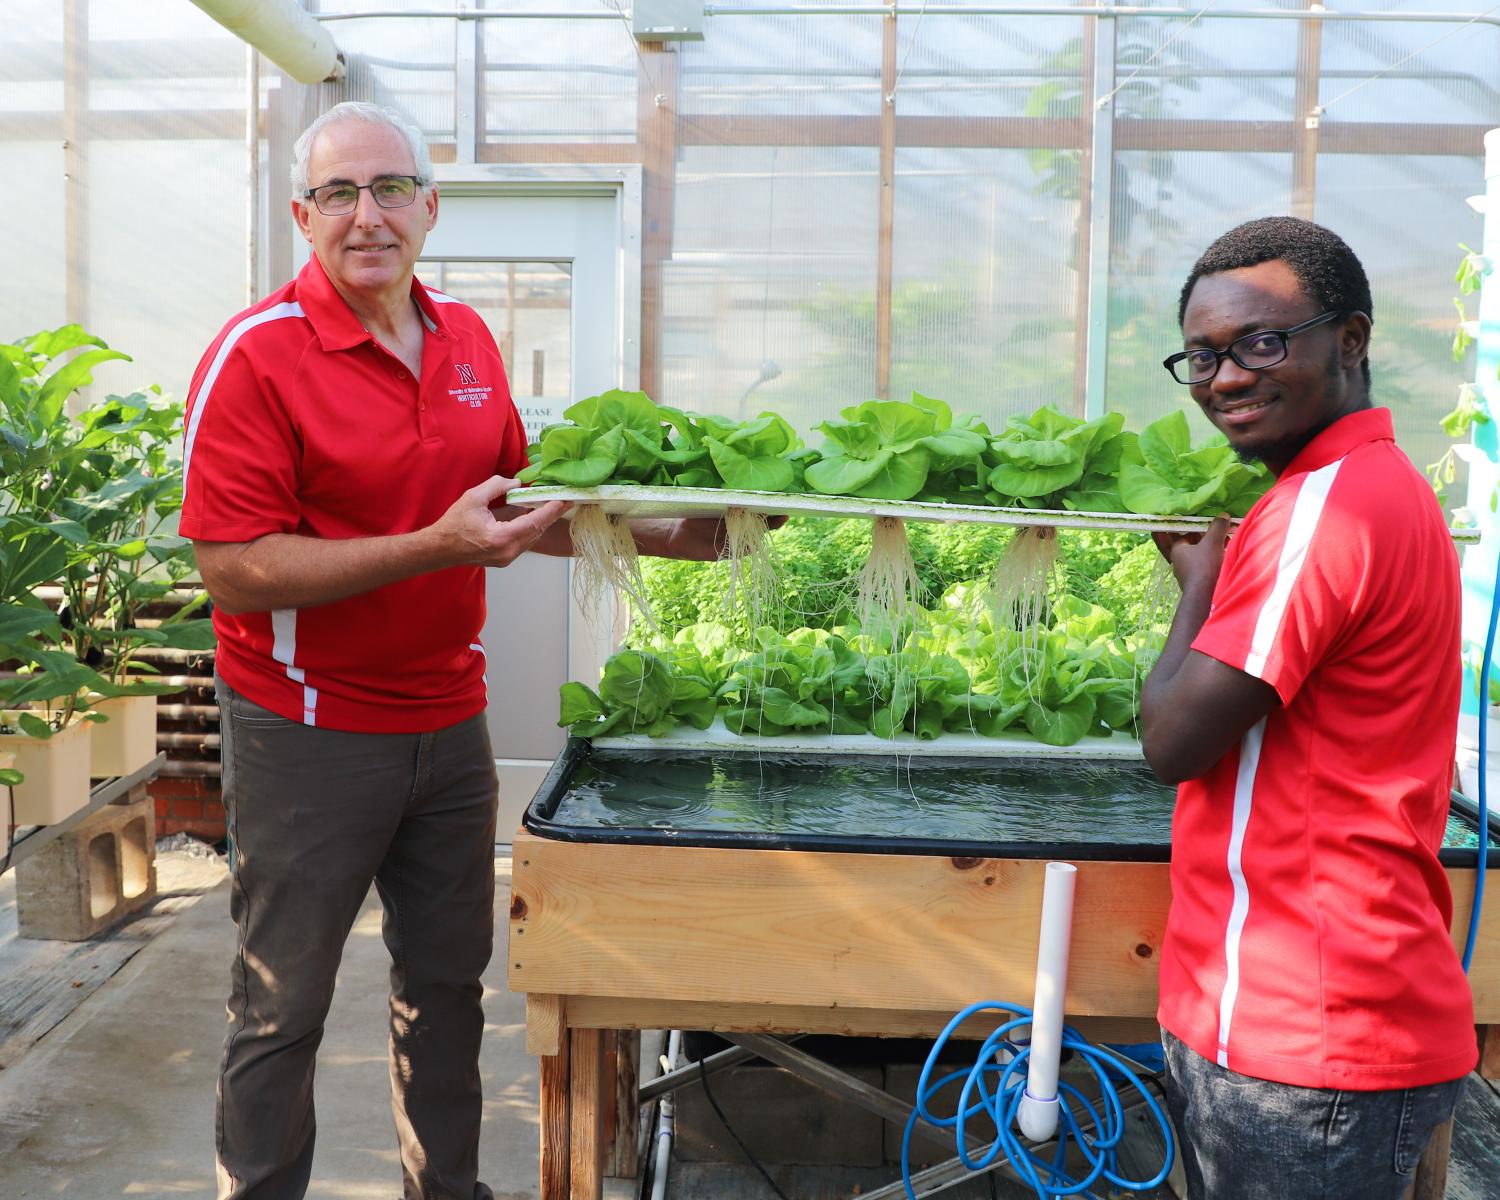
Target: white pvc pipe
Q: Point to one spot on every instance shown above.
(284, 33)
(1037, 1113)
(665, 1125)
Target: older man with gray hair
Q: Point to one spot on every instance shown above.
(350, 442)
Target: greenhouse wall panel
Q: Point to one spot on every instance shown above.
(835, 205)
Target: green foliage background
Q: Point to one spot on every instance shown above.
(819, 559)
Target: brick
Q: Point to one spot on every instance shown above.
(188, 808)
(92, 876)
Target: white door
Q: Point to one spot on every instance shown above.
(550, 266)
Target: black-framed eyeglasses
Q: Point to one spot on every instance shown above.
(388, 191)
(1255, 352)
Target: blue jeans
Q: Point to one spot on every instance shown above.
(1250, 1139)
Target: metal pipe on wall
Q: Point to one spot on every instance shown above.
(252, 174)
(912, 10)
(284, 32)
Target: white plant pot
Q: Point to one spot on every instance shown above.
(56, 769)
(1467, 755)
(127, 741)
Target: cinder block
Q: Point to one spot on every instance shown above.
(92, 876)
(779, 1117)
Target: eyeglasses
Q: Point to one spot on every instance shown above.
(389, 191)
(1255, 352)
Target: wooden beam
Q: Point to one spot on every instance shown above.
(555, 1124)
(1011, 133)
(656, 133)
(909, 933)
(1489, 1051)
(980, 133)
(1305, 153)
(886, 229)
(1084, 232)
(904, 932)
(586, 1114)
(546, 1024)
(612, 1012)
(625, 1141)
(75, 120)
(559, 152)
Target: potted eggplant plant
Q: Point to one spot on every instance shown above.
(128, 490)
(42, 714)
(77, 511)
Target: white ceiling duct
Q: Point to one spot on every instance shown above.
(284, 33)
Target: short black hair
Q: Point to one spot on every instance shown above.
(1330, 273)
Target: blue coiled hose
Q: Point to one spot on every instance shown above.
(992, 1090)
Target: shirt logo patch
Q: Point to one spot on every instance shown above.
(469, 391)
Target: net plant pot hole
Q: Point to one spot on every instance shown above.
(56, 770)
(127, 741)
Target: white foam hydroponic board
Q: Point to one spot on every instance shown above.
(632, 500)
(950, 745)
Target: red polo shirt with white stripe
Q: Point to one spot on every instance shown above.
(300, 422)
(1308, 940)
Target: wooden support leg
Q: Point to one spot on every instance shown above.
(1489, 1051)
(624, 1159)
(555, 1119)
(610, 1099)
(586, 1110)
(1431, 1176)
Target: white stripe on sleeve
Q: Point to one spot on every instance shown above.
(1299, 534)
(275, 313)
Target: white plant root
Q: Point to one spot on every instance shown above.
(606, 566)
(888, 593)
(754, 584)
(1019, 589)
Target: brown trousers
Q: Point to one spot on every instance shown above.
(314, 816)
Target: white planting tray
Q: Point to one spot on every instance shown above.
(949, 745)
(630, 500)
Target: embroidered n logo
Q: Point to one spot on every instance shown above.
(466, 375)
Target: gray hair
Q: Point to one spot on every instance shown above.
(373, 114)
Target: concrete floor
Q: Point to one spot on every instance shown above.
(117, 1099)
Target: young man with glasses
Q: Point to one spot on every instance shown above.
(350, 442)
(1317, 1021)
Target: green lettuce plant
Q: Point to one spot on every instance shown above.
(1051, 460)
(623, 437)
(1162, 474)
(887, 449)
(955, 674)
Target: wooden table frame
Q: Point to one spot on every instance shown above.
(609, 937)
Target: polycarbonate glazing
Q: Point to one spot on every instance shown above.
(1451, 81)
(406, 62)
(773, 309)
(135, 224)
(985, 296)
(1405, 217)
(559, 81)
(1160, 227)
(766, 245)
(768, 297)
(985, 292)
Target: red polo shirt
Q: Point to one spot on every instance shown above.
(298, 421)
(1308, 941)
